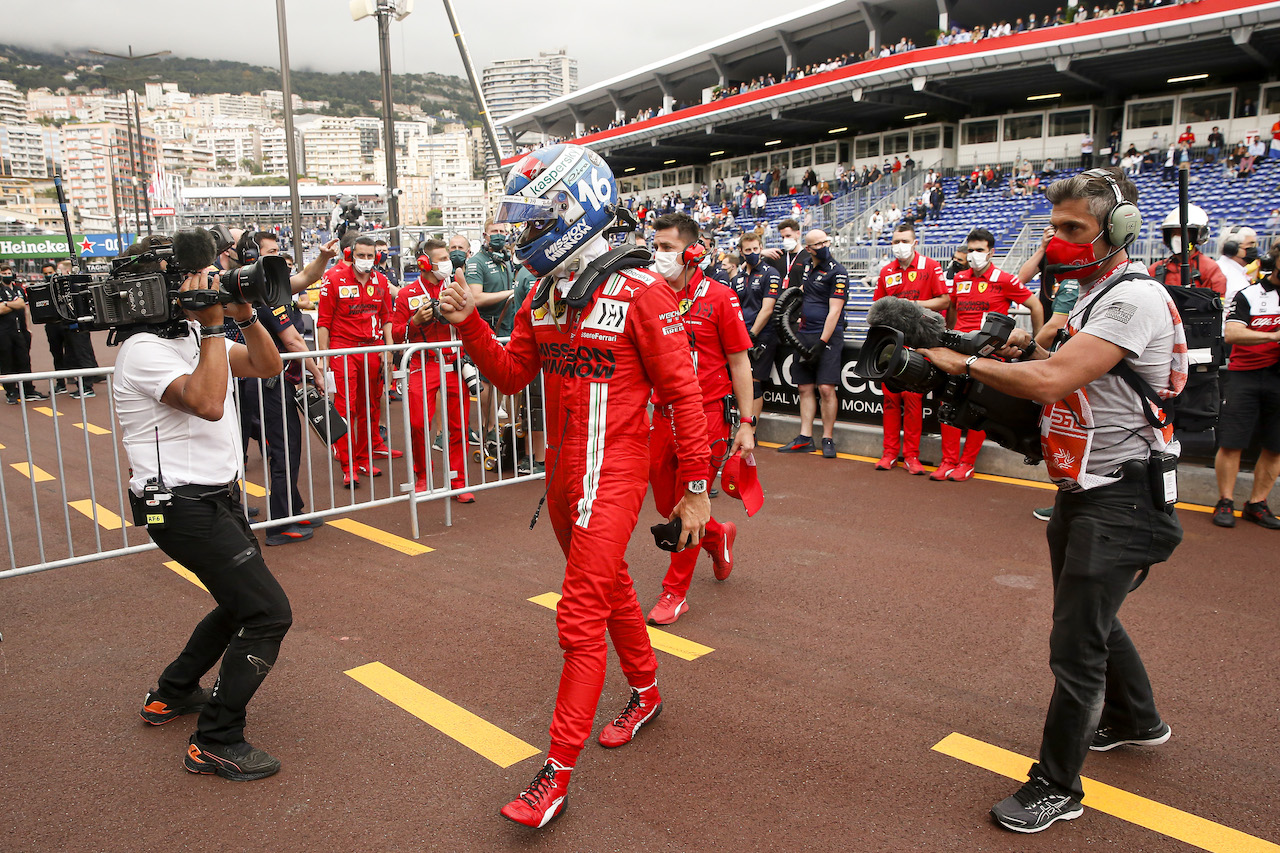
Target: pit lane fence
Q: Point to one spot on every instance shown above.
(64, 473)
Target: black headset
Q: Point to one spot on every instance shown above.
(1231, 246)
(249, 251)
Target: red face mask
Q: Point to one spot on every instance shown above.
(1060, 251)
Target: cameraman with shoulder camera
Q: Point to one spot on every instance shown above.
(1113, 459)
(180, 431)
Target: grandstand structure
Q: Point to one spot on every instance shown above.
(1031, 96)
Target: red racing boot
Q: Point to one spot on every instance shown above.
(722, 551)
(643, 706)
(544, 800)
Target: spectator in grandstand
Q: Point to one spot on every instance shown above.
(1274, 148)
(1252, 397)
(791, 259)
(1204, 271)
(893, 215)
(1130, 163)
(1273, 222)
(1237, 251)
(1248, 109)
(1049, 169)
(355, 311)
(936, 198)
(875, 226)
(978, 289)
(825, 285)
(910, 275)
(1187, 136)
(1216, 144)
(758, 285)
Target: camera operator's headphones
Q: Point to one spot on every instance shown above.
(1231, 246)
(424, 262)
(248, 251)
(1124, 221)
(379, 258)
(693, 253)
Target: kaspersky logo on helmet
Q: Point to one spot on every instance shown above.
(569, 241)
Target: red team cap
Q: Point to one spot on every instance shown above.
(741, 481)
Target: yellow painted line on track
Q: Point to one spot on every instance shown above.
(993, 478)
(1149, 814)
(94, 429)
(46, 411)
(32, 472)
(663, 641)
(253, 489)
(183, 572)
(380, 537)
(106, 518)
(475, 733)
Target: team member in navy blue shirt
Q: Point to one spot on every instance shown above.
(826, 287)
(758, 286)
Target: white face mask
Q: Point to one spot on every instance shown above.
(667, 265)
(978, 261)
(1175, 243)
(903, 251)
(363, 266)
(789, 244)
(444, 269)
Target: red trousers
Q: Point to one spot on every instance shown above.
(598, 596)
(423, 386)
(894, 403)
(668, 489)
(359, 400)
(951, 456)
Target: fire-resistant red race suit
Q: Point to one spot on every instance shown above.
(423, 382)
(713, 319)
(918, 280)
(355, 315)
(600, 366)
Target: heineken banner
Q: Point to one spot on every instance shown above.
(42, 246)
(860, 400)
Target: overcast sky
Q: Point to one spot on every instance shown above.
(606, 37)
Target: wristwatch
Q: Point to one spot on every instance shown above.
(968, 362)
(697, 487)
(750, 419)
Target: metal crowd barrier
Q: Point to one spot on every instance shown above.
(81, 513)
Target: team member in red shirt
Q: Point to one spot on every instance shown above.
(910, 275)
(977, 290)
(355, 311)
(606, 335)
(713, 319)
(1187, 137)
(414, 320)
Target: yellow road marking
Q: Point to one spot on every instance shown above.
(475, 733)
(994, 478)
(1149, 814)
(663, 641)
(183, 572)
(253, 489)
(31, 472)
(94, 430)
(106, 518)
(46, 411)
(381, 537)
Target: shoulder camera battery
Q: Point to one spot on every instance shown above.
(1162, 469)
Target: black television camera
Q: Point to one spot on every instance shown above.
(888, 356)
(142, 289)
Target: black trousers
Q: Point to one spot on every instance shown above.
(211, 538)
(281, 426)
(71, 349)
(1098, 541)
(15, 357)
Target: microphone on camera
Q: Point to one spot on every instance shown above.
(193, 249)
(919, 326)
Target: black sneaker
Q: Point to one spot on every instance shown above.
(1107, 738)
(83, 393)
(239, 762)
(36, 395)
(1034, 807)
(158, 709)
(292, 533)
(1043, 513)
(60, 388)
(1260, 514)
(1224, 513)
(828, 448)
(799, 444)
(12, 401)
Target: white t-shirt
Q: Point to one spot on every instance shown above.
(192, 451)
(1236, 278)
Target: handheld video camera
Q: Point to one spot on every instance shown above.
(888, 357)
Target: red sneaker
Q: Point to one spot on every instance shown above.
(913, 465)
(370, 470)
(642, 707)
(544, 800)
(941, 474)
(961, 473)
(387, 453)
(667, 610)
(722, 556)
(887, 461)
(420, 485)
(465, 498)
(349, 480)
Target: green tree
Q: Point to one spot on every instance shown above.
(435, 217)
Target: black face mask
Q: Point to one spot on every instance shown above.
(955, 267)
(1250, 255)
(823, 254)
(8, 279)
